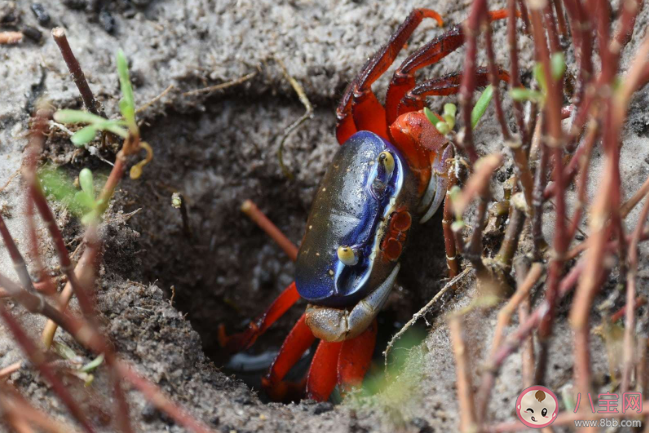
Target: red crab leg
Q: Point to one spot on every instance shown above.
(366, 112)
(440, 47)
(245, 339)
(322, 376)
(296, 343)
(355, 358)
(415, 99)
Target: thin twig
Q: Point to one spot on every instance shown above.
(463, 373)
(421, 313)
(308, 114)
(222, 86)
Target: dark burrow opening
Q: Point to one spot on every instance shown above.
(222, 269)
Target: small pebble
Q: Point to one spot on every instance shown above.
(32, 33)
(76, 4)
(107, 21)
(41, 14)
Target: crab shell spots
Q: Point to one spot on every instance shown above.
(395, 237)
(346, 211)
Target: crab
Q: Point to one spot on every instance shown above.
(389, 175)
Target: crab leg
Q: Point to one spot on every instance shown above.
(366, 112)
(431, 53)
(296, 343)
(245, 339)
(323, 376)
(355, 358)
(415, 99)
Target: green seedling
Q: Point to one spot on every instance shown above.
(558, 68)
(120, 127)
(82, 371)
(447, 122)
(82, 203)
(481, 105)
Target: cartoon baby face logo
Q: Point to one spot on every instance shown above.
(537, 407)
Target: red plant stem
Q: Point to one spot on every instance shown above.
(37, 137)
(629, 323)
(463, 373)
(45, 281)
(537, 203)
(16, 257)
(467, 87)
(252, 211)
(514, 74)
(561, 19)
(493, 78)
(78, 76)
(524, 15)
(619, 314)
(447, 221)
(37, 358)
(551, 25)
(629, 10)
(161, 401)
(582, 183)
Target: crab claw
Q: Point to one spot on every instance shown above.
(436, 190)
(335, 325)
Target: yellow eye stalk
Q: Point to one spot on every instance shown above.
(387, 161)
(347, 255)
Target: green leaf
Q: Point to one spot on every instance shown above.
(558, 65)
(64, 351)
(481, 106)
(125, 84)
(92, 364)
(84, 200)
(431, 117)
(522, 94)
(450, 109)
(540, 77)
(59, 187)
(86, 182)
(77, 116)
(84, 136)
(443, 127)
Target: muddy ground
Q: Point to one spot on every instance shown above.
(217, 150)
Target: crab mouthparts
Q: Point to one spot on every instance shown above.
(334, 324)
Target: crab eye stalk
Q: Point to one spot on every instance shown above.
(384, 172)
(347, 255)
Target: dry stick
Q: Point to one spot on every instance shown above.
(308, 114)
(452, 259)
(421, 313)
(504, 318)
(619, 314)
(467, 87)
(37, 358)
(512, 235)
(161, 401)
(10, 369)
(527, 352)
(7, 38)
(629, 323)
(631, 203)
(463, 372)
(58, 33)
(252, 211)
(154, 100)
(221, 86)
